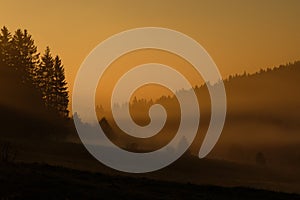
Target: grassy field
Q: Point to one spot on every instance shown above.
(40, 181)
(188, 169)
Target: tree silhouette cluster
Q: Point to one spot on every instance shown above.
(45, 73)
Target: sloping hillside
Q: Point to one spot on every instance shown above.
(45, 182)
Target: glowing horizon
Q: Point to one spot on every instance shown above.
(240, 36)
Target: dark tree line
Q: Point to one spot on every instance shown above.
(45, 73)
(289, 69)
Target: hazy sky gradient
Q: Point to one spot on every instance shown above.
(239, 35)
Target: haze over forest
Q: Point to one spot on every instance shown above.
(256, 48)
(260, 132)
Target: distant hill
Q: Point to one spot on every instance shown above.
(262, 118)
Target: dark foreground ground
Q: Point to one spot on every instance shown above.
(40, 181)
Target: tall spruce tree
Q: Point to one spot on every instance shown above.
(5, 46)
(61, 89)
(24, 55)
(43, 79)
(52, 83)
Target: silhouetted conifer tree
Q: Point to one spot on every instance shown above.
(52, 83)
(24, 55)
(44, 73)
(60, 88)
(5, 47)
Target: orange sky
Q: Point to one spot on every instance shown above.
(239, 35)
